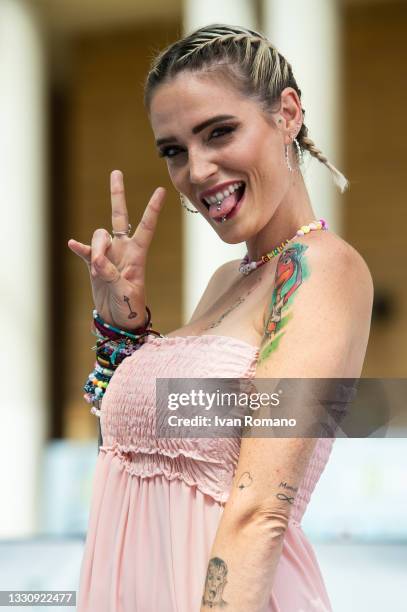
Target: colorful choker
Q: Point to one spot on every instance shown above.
(247, 266)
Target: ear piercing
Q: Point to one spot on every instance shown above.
(300, 156)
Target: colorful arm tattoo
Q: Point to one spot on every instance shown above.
(291, 271)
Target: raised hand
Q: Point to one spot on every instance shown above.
(117, 265)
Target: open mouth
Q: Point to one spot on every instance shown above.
(229, 205)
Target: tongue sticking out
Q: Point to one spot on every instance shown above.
(226, 206)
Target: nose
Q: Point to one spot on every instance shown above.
(200, 168)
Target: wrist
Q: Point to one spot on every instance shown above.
(139, 324)
(113, 331)
(113, 346)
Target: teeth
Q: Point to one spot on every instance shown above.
(219, 197)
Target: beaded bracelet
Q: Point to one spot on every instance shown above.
(113, 332)
(112, 347)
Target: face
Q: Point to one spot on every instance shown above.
(223, 153)
(215, 584)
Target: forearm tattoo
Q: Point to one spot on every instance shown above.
(291, 271)
(283, 496)
(215, 583)
(244, 481)
(132, 314)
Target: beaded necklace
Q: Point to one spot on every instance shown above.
(247, 266)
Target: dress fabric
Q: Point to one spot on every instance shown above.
(157, 502)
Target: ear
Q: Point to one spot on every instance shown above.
(290, 115)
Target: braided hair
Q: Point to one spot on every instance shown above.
(245, 58)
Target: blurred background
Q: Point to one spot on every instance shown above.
(71, 83)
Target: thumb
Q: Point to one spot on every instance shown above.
(105, 270)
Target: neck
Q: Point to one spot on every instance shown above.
(293, 211)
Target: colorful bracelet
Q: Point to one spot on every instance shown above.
(112, 347)
(110, 331)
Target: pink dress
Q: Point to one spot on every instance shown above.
(157, 502)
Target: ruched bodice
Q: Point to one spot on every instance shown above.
(129, 413)
(157, 502)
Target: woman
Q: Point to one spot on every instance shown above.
(185, 524)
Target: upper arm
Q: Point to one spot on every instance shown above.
(317, 302)
(218, 283)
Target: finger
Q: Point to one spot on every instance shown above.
(82, 250)
(103, 269)
(100, 264)
(120, 217)
(144, 233)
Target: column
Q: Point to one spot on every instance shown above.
(308, 35)
(23, 358)
(203, 250)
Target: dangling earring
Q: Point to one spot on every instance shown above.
(181, 197)
(287, 159)
(299, 153)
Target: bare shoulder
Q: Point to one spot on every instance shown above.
(322, 290)
(338, 269)
(220, 282)
(331, 258)
(331, 253)
(330, 270)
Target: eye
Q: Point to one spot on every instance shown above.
(226, 129)
(172, 151)
(169, 152)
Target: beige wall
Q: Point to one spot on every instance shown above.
(108, 128)
(376, 156)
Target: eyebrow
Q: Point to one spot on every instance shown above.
(198, 128)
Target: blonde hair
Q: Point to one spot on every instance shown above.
(245, 58)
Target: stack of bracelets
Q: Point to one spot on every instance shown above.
(113, 345)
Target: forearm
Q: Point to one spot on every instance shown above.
(242, 564)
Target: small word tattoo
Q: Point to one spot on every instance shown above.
(291, 271)
(215, 583)
(237, 303)
(132, 314)
(286, 486)
(244, 481)
(283, 496)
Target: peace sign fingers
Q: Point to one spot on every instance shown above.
(120, 216)
(144, 233)
(139, 243)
